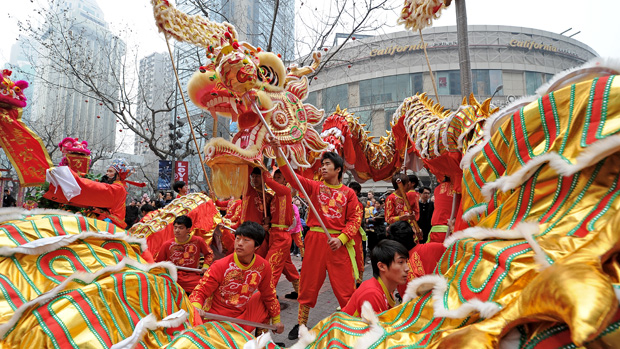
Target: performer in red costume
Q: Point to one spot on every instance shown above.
(239, 285)
(341, 214)
(389, 270)
(395, 207)
(423, 258)
(181, 188)
(444, 194)
(281, 209)
(359, 238)
(105, 199)
(185, 250)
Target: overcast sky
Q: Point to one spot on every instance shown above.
(596, 19)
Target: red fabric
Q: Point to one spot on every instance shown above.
(223, 205)
(110, 197)
(226, 288)
(278, 253)
(186, 255)
(337, 206)
(297, 237)
(23, 147)
(281, 206)
(320, 259)
(369, 291)
(359, 252)
(252, 205)
(423, 259)
(233, 213)
(290, 270)
(395, 207)
(202, 223)
(443, 204)
(436, 236)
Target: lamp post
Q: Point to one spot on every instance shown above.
(499, 88)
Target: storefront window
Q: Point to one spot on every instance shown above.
(334, 96)
(418, 84)
(389, 113)
(533, 80)
(387, 89)
(365, 118)
(449, 82)
(311, 98)
(486, 81)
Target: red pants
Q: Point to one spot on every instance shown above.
(299, 242)
(278, 254)
(290, 271)
(254, 311)
(359, 256)
(320, 259)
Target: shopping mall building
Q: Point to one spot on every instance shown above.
(372, 76)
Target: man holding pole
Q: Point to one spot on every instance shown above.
(338, 209)
(239, 285)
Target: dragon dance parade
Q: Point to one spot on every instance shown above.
(521, 250)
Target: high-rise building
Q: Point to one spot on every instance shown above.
(156, 92)
(76, 38)
(22, 62)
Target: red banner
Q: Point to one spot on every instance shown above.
(181, 171)
(24, 148)
(78, 162)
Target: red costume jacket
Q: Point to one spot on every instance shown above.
(281, 206)
(227, 286)
(423, 259)
(337, 205)
(186, 254)
(395, 207)
(233, 213)
(252, 207)
(443, 204)
(374, 291)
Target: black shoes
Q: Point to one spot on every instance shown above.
(292, 295)
(294, 334)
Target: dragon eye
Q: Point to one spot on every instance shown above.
(268, 75)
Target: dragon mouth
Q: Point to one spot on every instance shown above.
(228, 106)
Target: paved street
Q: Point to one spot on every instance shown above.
(325, 306)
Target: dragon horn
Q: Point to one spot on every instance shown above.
(192, 29)
(296, 72)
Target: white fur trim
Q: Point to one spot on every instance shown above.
(259, 342)
(474, 211)
(305, 338)
(510, 340)
(52, 243)
(594, 153)
(375, 333)
(523, 230)
(17, 213)
(82, 276)
(617, 292)
(539, 255)
(150, 323)
(439, 285)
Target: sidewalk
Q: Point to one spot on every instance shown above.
(325, 305)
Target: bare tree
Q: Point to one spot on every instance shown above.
(75, 55)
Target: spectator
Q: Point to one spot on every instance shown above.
(181, 188)
(426, 212)
(8, 200)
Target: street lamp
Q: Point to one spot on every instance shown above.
(499, 88)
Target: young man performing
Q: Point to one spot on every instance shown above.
(338, 208)
(239, 285)
(185, 250)
(423, 258)
(180, 188)
(281, 209)
(389, 268)
(396, 208)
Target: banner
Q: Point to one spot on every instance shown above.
(24, 148)
(165, 175)
(181, 171)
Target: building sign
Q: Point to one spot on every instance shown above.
(181, 171)
(165, 175)
(531, 44)
(390, 51)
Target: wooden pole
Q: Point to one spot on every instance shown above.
(189, 119)
(303, 191)
(428, 63)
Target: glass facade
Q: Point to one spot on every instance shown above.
(391, 88)
(533, 80)
(449, 82)
(334, 96)
(365, 118)
(311, 99)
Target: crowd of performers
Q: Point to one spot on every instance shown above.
(259, 229)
